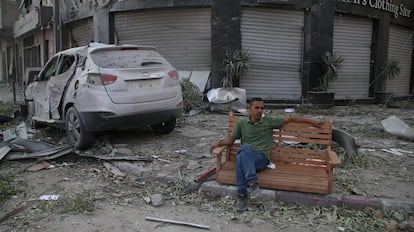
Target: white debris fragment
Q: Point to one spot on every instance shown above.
(52, 197)
(396, 126)
(391, 151)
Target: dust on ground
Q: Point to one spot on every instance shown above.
(92, 199)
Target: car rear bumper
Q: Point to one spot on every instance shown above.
(94, 121)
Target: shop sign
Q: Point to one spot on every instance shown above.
(26, 23)
(384, 5)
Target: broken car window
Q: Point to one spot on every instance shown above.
(67, 62)
(127, 58)
(49, 70)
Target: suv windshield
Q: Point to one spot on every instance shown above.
(128, 58)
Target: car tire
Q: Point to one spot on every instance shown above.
(164, 127)
(78, 137)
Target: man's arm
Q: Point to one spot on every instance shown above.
(224, 142)
(314, 122)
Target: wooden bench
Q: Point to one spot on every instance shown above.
(302, 154)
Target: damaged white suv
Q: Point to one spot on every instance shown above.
(105, 87)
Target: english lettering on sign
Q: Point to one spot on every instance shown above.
(384, 5)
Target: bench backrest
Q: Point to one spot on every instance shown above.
(302, 144)
(295, 144)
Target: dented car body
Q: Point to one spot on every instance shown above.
(105, 87)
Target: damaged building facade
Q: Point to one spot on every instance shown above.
(285, 40)
(8, 15)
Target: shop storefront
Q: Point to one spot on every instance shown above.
(285, 40)
(275, 50)
(182, 36)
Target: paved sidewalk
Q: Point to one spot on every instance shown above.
(310, 199)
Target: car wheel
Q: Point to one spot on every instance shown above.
(164, 127)
(76, 132)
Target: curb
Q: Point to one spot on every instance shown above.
(312, 199)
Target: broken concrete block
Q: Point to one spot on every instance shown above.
(130, 168)
(396, 126)
(156, 200)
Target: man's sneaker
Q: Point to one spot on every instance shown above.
(253, 190)
(242, 203)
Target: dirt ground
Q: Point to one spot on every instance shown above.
(93, 199)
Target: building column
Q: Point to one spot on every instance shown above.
(379, 51)
(225, 35)
(318, 39)
(101, 25)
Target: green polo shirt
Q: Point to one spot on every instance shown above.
(260, 134)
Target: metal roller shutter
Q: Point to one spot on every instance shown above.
(274, 40)
(400, 47)
(82, 32)
(182, 36)
(352, 40)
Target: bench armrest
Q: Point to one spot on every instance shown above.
(333, 159)
(218, 150)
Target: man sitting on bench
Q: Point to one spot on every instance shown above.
(256, 135)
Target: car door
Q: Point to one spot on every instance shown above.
(57, 83)
(38, 90)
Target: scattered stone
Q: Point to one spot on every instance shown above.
(130, 168)
(124, 151)
(403, 225)
(106, 143)
(356, 191)
(193, 165)
(104, 151)
(181, 152)
(114, 171)
(397, 216)
(147, 200)
(156, 200)
(391, 225)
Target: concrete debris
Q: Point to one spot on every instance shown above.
(397, 216)
(114, 171)
(160, 159)
(38, 167)
(192, 165)
(157, 200)
(182, 152)
(52, 197)
(130, 168)
(397, 127)
(147, 200)
(124, 151)
(396, 151)
(12, 133)
(21, 130)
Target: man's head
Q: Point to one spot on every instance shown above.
(256, 108)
